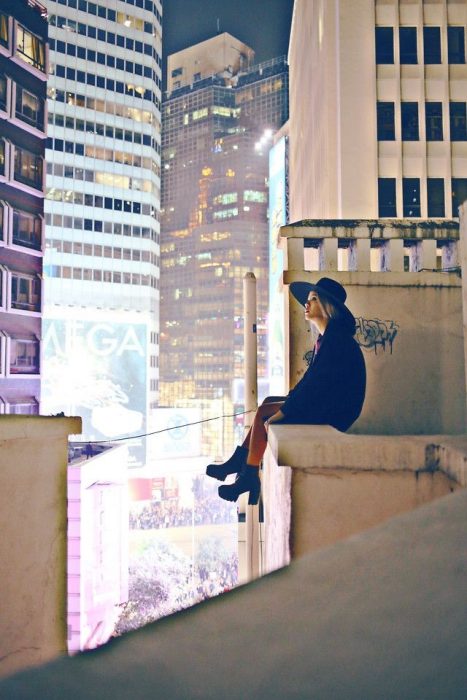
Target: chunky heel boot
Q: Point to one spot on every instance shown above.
(247, 480)
(233, 465)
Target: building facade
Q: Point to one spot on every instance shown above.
(23, 76)
(214, 220)
(102, 214)
(378, 109)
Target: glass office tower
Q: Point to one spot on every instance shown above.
(102, 215)
(214, 222)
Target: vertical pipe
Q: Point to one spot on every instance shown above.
(250, 345)
(463, 264)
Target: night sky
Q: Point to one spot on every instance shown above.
(262, 24)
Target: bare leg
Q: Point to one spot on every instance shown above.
(257, 436)
(270, 400)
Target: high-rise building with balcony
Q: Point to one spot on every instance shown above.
(102, 206)
(379, 89)
(23, 76)
(214, 219)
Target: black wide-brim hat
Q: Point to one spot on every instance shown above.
(326, 288)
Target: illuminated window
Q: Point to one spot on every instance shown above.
(228, 198)
(221, 111)
(226, 213)
(200, 113)
(30, 48)
(2, 156)
(254, 196)
(29, 107)
(27, 229)
(24, 356)
(28, 168)
(3, 30)
(25, 292)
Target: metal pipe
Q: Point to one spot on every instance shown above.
(250, 345)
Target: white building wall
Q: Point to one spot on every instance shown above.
(336, 159)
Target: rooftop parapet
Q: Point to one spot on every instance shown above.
(403, 283)
(431, 244)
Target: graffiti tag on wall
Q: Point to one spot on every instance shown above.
(372, 333)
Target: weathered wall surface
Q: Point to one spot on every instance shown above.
(321, 486)
(410, 328)
(33, 473)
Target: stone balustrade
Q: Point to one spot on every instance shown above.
(384, 245)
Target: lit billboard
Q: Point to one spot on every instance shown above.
(97, 369)
(278, 216)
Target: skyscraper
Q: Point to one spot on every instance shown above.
(383, 104)
(23, 75)
(214, 218)
(102, 210)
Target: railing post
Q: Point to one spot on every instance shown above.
(426, 254)
(392, 258)
(251, 404)
(294, 254)
(359, 255)
(328, 254)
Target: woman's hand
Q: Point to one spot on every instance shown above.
(275, 418)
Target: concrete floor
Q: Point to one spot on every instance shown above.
(382, 615)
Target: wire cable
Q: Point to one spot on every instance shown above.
(163, 430)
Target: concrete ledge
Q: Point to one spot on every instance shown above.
(314, 447)
(320, 485)
(15, 427)
(376, 617)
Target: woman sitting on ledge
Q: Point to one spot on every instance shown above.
(331, 392)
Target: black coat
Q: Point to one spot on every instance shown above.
(332, 390)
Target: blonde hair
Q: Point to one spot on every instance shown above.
(330, 310)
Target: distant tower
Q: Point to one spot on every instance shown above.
(102, 209)
(23, 75)
(214, 218)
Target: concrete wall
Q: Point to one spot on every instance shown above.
(321, 486)
(412, 339)
(33, 473)
(331, 57)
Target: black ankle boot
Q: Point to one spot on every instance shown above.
(233, 465)
(247, 480)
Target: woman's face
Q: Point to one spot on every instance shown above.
(313, 308)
